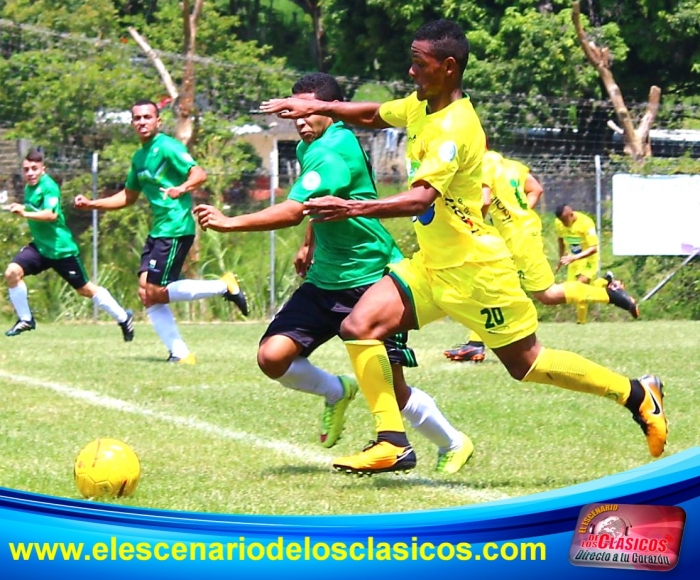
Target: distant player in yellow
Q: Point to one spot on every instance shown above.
(578, 251)
(510, 193)
(463, 268)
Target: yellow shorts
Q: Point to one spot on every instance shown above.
(534, 269)
(485, 297)
(587, 267)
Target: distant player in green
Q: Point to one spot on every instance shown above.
(164, 171)
(52, 246)
(348, 257)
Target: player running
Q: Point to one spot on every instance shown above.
(348, 257)
(166, 173)
(463, 268)
(510, 193)
(52, 246)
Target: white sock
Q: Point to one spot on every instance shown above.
(20, 300)
(164, 323)
(425, 417)
(104, 300)
(187, 290)
(303, 376)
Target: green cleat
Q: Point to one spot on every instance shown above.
(334, 415)
(452, 461)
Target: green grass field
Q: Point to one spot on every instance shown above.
(220, 437)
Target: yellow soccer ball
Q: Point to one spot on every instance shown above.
(106, 468)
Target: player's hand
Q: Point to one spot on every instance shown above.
(172, 192)
(566, 260)
(328, 208)
(81, 202)
(211, 218)
(303, 260)
(289, 108)
(17, 208)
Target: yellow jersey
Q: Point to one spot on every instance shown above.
(580, 236)
(445, 149)
(509, 210)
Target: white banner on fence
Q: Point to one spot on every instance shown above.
(657, 215)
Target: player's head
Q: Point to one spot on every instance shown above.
(439, 55)
(33, 166)
(145, 119)
(320, 86)
(565, 214)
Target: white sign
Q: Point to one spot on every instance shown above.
(657, 215)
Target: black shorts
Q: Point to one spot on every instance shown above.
(71, 269)
(163, 258)
(312, 316)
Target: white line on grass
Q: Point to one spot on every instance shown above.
(282, 447)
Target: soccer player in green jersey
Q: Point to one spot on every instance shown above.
(348, 257)
(52, 246)
(463, 268)
(164, 171)
(510, 194)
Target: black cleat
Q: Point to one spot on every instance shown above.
(21, 326)
(128, 326)
(619, 297)
(234, 293)
(472, 351)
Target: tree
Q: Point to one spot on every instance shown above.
(636, 141)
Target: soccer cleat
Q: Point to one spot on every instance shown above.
(334, 415)
(234, 293)
(187, 360)
(472, 351)
(21, 326)
(377, 457)
(128, 326)
(650, 416)
(619, 297)
(453, 461)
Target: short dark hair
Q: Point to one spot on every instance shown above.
(559, 210)
(448, 39)
(35, 156)
(144, 102)
(323, 85)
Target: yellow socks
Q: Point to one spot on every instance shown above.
(373, 371)
(570, 371)
(474, 337)
(581, 312)
(577, 293)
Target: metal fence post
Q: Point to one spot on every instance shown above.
(94, 230)
(274, 184)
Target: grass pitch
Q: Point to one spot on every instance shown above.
(221, 437)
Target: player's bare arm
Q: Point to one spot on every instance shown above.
(533, 190)
(196, 177)
(364, 114)
(283, 215)
(119, 200)
(44, 215)
(407, 204)
(305, 254)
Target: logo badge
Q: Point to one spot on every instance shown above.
(311, 181)
(627, 536)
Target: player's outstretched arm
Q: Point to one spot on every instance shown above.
(283, 215)
(43, 215)
(119, 200)
(407, 204)
(364, 114)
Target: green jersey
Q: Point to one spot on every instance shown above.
(164, 162)
(53, 239)
(348, 253)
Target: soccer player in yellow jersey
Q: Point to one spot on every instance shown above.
(463, 268)
(510, 193)
(578, 251)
